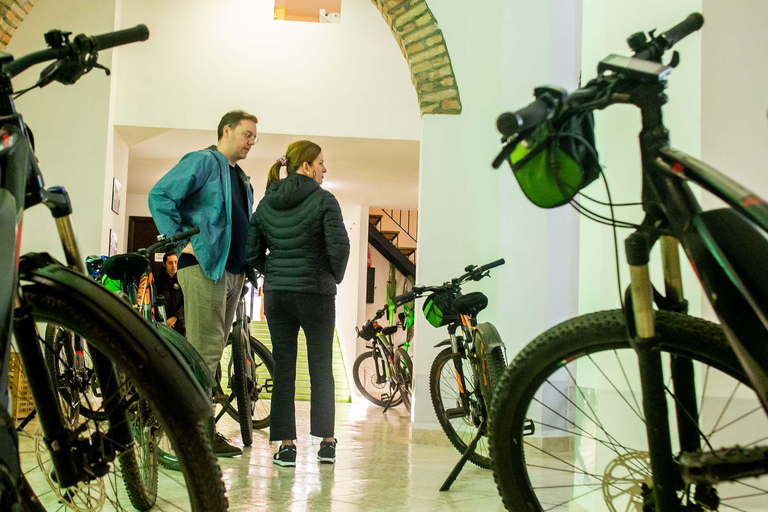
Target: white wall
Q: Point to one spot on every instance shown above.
(346, 79)
(734, 134)
(70, 124)
(606, 25)
(470, 213)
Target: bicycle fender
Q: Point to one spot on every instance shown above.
(444, 343)
(175, 378)
(490, 336)
(188, 353)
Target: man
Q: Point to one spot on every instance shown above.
(207, 189)
(168, 286)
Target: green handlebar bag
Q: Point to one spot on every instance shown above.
(554, 163)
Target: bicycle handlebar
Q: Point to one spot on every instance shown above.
(473, 273)
(80, 46)
(121, 37)
(169, 242)
(658, 45)
(516, 124)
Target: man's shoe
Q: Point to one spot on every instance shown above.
(327, 453)
(285, 456)
(223, 448)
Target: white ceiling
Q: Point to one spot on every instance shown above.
(375, 172)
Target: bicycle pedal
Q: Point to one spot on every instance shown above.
(456, 412)
(529, 428)
(268, 386)
(221, 399)
(724, 465)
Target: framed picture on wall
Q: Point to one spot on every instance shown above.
(112, 242)
(115, 196)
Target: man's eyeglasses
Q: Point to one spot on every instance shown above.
(251, 136)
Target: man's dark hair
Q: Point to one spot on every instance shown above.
(165, 256)
(232, 119)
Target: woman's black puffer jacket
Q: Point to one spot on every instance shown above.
(301, 227)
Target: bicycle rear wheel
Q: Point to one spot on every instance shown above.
(568, 429)
(404, 369)
(84, 313)
(367, 382)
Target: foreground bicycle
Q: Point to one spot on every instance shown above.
(37, 289)
(640, 409)
(384, 375)
(465, 373)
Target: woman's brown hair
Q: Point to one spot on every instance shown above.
(297, 153)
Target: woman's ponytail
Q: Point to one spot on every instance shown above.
(274, 174)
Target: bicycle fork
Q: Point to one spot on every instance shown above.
(649, 359)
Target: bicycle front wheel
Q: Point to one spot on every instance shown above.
(568, 427)
(239, 378)
(457, 405)
(89, 314)
(260, 374)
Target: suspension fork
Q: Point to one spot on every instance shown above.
(57, 437)
(683, 378)
(651, 375)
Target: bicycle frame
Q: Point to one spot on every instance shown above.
(673, 213)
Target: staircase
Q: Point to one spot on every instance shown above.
(260, 331)
(398, 246)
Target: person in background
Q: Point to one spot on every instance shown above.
(301, 227)
(167, 284)
(209, 190)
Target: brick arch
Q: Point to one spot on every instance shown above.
(12, 13)
(423, 45)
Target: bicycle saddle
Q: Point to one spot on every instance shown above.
(470, 304)
(123, 266)
(392, 329)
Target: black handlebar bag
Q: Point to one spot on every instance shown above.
(438, 309)
(555, 162)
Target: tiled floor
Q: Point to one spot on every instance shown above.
(377, 469)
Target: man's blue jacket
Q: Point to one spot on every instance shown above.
(197, 192)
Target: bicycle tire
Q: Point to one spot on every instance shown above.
(493, 361)
(82, 310)
(596, 345)
(166, 455)
(139, 462)
(460, 430)
(242, 363)
(263, 368)
(404, 368)
(364, 375)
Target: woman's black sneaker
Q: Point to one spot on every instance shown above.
(285, 456)
(327, 453)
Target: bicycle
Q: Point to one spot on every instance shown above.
(384, 374)
(464, 374)
(599, 387)
(249, 376)
(34, 288)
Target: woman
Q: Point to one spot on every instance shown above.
(301, 226)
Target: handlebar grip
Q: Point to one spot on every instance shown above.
(185, 234)
(493, 264)
(121, 37)
(405, 297)
(685, 28)
(511, 123)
